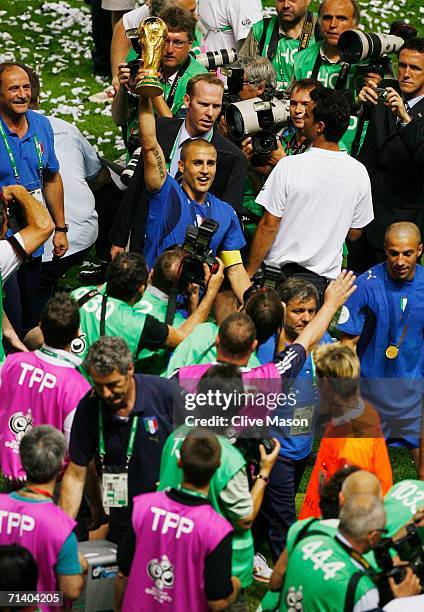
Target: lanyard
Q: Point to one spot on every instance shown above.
(12, 157)
(131, 439)
(38, 491)
(173, 89)
(51, 354)
(394, 337)
(292, 147)
(191, 492)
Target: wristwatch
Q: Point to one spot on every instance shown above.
(65, 228)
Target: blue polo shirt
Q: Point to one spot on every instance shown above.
(393, 386)
(156, 399)
(171, 211)
(25, 153)
(296, 445)
(26, 157)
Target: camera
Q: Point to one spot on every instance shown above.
(197, 252)
(259, 118)
(128, 172)
(235, 78)
(214, 59)
(382, 93)
(265, 278)
(248, 443)
(355, 45)
(409, 549)
(134, 66)
(132, 34)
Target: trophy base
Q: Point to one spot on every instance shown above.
(149, 88)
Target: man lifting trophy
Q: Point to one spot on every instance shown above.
(152, 33)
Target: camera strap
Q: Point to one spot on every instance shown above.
(342, 76)
(103, 315)
(172, 307)
(18, 248)
(86, 297)
(180, 72)
(304, 39)
(317, 66)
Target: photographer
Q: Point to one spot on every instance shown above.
(342, 581)
(110, 310)
(393, 153)
(177, 68)
(322, 60)
(38, 226)
(229, 487)
(281, 36)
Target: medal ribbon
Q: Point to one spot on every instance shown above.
(394, 338)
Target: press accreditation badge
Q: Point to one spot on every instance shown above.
(38, 195)
(115, 490)
(306, 413)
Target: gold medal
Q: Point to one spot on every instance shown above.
(392, 352)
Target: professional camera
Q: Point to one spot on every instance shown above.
(409, 549)
(134, 66)
(129, 170)
(198, 252)
(248, 443)
(235, 78)
(214, 59)
(258, 118)
(265, 278)
(355, 45)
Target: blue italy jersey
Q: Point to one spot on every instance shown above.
(385, 312)
(171, 211)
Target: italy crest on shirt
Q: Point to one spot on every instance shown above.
(151, 425)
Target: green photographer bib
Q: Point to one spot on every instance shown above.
(120, 319)
(287, 49)
(327, 75)
(318, 576)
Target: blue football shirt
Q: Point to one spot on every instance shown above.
(393, 386)
(171, 211)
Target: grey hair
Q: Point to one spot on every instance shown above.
(42, 451)
(107, 354)
(360, 515)
(259, 69)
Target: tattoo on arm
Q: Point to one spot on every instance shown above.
(159, 162)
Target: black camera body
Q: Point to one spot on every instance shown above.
(410, 549)
(197, 252)
(265, 278)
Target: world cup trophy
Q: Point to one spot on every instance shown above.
(152, 34)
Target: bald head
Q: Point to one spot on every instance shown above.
(404, 231)
(403, 247)
(360, 482)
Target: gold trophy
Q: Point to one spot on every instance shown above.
(152, 33)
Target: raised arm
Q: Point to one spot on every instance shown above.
(153, 157)
(335, 296)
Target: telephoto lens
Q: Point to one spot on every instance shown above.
(215, 59)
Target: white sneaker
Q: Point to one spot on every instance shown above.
(261, 570)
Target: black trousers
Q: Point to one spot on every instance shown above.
(19, 291)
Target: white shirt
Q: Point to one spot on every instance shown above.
(239, 15)
(183, 135)
(9, 260)
(78, 163)
(319, 195)
(135, 17)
